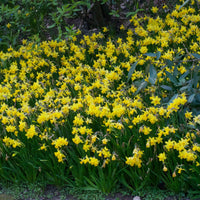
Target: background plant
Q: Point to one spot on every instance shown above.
(46, 20)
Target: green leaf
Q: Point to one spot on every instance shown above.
(197, 97)
(5, 43)
(166, 87)
(131, 71)
(183, 75)
(196, 80)
(59, 10)
(175, 72)
(181, 83)
(133, 13)
(104, 1)
(169, 63)
(191, 98)
(114, 13)
(16, 7)
(51, 26)
(150, 54)
(190, 84)
(172, 78)
(178, 57)
(124, 182)
(196, 55)
(196, 77)
(137, 83)
(142, 86)
(93, 185)
(184, 4)
(153, 75)
(158, 54)
(184, 88)
(42, 160)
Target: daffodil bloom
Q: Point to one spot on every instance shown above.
(105, 29)
(11, 142)
(59, 155)
(174, 174)
(61, 141)
(197, 119)
(154, 9)
(43, 147)
(180, 170)
(143, 49)
(8, 25)
(162, 157)
(31, 132)
(93, 161)
(122, 27)
(155, 100)
(165, 169)
(188, 115)
(105, 141)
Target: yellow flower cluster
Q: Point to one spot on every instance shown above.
(135, 159)
(64, 94)
(60, 142)
(11, 142)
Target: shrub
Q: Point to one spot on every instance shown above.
(46, 20)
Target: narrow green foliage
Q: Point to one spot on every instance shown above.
(153, 75)
(131, 71)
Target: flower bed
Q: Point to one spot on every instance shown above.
(103, 112)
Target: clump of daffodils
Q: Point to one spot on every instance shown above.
(62, 95)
